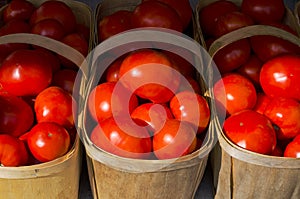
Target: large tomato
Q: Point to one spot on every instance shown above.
(18, 9)
(252, 131)
(292, 150)
(49, 28)
(25, 73)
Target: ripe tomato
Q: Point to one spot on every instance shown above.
(252, 131)
(235, 93)
(25, 72)
(55, 10)
(121, 138)
(49, 28)
(65, 79)
(264, 11)
(54, 104)
(48, 141)
(285, 114)
(280, 76)
(18, 9)
(261, 103)
(115, 23)
(174, 140)
(293, 148)
(112, 72)
(139, 72)
(16, 116)
(192, 108)
(209, 14)
(156, 14)
(12, 151)
(111, 99)
(232, 56)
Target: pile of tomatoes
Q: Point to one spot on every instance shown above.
(259, 87)
(36, 85)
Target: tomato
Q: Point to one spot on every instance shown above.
(174, 140)
(54, 104)
(261, 103)
(18, 9)
(209, 14)
(156, 14)
(232, 56)
(122, 139)
(264, 11)
(51, 58)
(48, 141)
(55, 10)
(16, 116)
(112, 72)
(235, 93)
(252, 131)
(293, 148)
(65, 79)
(139, 72)
(111, 99)
(280, 77)
(49, 28)
(192, 108)
(285, 114)
(114, 23)
(192, 83)
(231, 21)
(12, 151)
(277, 152)
(25, 72)
(83, 30)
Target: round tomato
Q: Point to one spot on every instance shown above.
(112, 72)
(18, 9)
(25, 72)
(292, 150)
(48, 141)
(252, 131)
(119, 137)
(261, 103)
(49, 28)
(65, 79)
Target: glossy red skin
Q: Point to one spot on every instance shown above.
(113, 24)
(252, 131)
(51, 57)
(277, 152)
(264, 11)
(112, 72)
(232, 56)
(125, 140)
(16, 116)
(48, 141)
(235, 93)
(156, 14)
(65, 79)
(292, 150)
(54, 105)
(208, 15)
(280, 77)
(174, 140)
(192, 108)
(55, 10)
(18, 9)
(285, 114)
(261, 103)
(49, 28)
(13, 152)
(104, 102)
(31, 67)
(231, 21)
(147, 84)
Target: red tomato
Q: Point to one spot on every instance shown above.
(264, 11)
(235, 93)
(156, 14)
(285, 114)
(208, 15)
(174, 140)
(192, 108)
(280, 76)
(139, 72)
(113, 24)
(112, 72)
(16, 116)
(51, 58)
(54, 105)
(55, 10)
(232, 56)
(65, 79)
(49, 28)
(231, 21)
(277, 152)
(18, 9)
(25, 72)
(12, 151)
(122, 139)
(292, 150)
(261, 103)
(252, 131)
(111, 99)
(48, 141)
